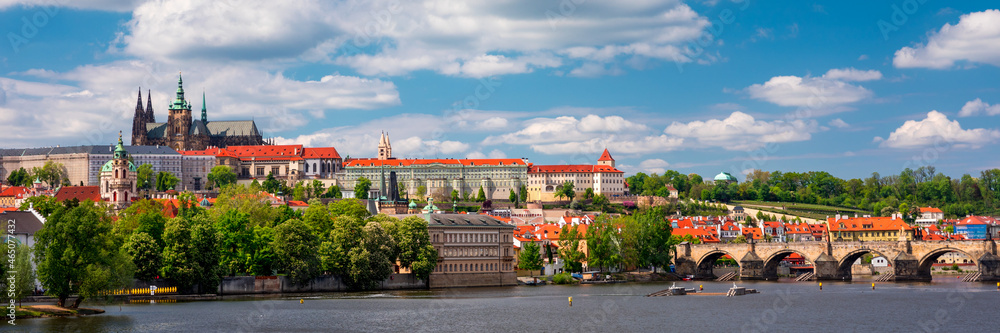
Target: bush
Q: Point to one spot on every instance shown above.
(563, 278)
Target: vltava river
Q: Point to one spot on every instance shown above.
(946, 305)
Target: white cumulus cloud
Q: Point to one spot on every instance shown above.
(741, 131)
(937, 131)
(977, 106)
(654, 165)
(831, 89)
(975, 39)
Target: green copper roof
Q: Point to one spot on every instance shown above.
(725, 176)
(109, 166)
(413, 204)
(120, 148)
(204, 111)
(180, 103)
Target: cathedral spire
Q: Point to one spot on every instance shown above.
(204, 111)
(138, 103)
(150, 117)
(180, 103)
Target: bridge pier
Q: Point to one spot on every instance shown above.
(989, 267)
(751, 267)
(825, 268)
(906, 267)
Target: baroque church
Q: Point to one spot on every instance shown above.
(183, 132)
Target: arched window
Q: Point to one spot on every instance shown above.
(114, 196)
(314, 167)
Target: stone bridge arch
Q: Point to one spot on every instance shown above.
(845, 262)
(770, 271)
(928, 260)
(706, 263)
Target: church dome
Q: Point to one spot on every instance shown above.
(413, 204)
(725, 177)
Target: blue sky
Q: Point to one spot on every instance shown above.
(695, 86)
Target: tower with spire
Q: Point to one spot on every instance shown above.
(139, 123)
(606, 159)
(204, 110)
(384, 148)
(179, 119)
(118, 178)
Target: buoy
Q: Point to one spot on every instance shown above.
(701, 287)
(873, 285)
(301, 301)
(998, 286)
(571, 301)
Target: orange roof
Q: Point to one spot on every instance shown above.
(328, 152)
(977, 220)
(685, 223)
(797, 228)
(754, 233)
(296, 203)
(930, 210)
(92, 193)
(8, 209)
(448, 161)
(582, 168)
(13, 191)
(606, 156)
(704, 235)
(884, 223)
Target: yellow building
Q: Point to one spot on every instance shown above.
(869, 229)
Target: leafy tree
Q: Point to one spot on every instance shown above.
(19, 177)
(271, 185)
(165, 181)
(249, 201)
(295, 248)
(51, 172)
(333, 192)
(236, 236)
(317, 216)
(348, 207)
(401, 187)
(145, 255)
(335, 246)
(601, 202)
(523, 193)
(145, 177)
(566, 190)
(263, 260)
(370, 262)
(589, 193)
(361, 188)
(454, 196)
(299, 192)
(602, 244)
(414, 246)
(421, 192)
(222, 176)
(19, 271)
(76, 254)
(530, 258)
(191, 256)
(43, 204)
(569, 248)
(482, 195)
(512, 197)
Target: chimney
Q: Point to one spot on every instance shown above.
(837, 218)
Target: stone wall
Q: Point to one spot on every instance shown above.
(237, 285)
(493, 279)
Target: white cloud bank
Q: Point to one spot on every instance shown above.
(974, 39)
(937, 131)
(831, 89)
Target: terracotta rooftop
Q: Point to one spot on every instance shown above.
(81, 193)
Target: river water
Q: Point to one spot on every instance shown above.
(946, 305)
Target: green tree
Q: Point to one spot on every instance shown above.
(589, 193)
(76, 254)
(299, 192)
(222, 176)
(348, 207)
(19, 271)
(145, 255)
(333, 192)
(414, 245)
(602, 244)
(247, 200)
(481, 196)
(165, 181)
(19, 177)
(51, 172)
(316, 189)
(271, 185)
(530, 258)
(144, 177)
(512, 197)
(43, 204)
(236, 242)
(569, 248)
(601, 202)
(361, 187)
(191, 257)
(566, 190)
(454, 196)
(370, 261)
(421, 192)
(295, 248)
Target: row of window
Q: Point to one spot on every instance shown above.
(486, 267)
(473, 238)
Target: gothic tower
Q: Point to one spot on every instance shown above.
(139, 123)
(179, 119)
(204, 111)
(384, 148)
(150, 117)
(606, 159)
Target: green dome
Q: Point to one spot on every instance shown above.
(725, 177)
(108, 167)
(413, 204)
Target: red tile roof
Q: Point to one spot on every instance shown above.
(296, 203)
(572, 168)
(328, 152)
(977, 220)
(13, 191)
(884, 223)
(704, 235)
(92, 193)
(270, 153)
(930, 210)
(446, 161)
(606, 156)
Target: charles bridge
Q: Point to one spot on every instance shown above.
(910, 260)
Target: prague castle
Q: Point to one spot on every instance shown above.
(183, 132)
